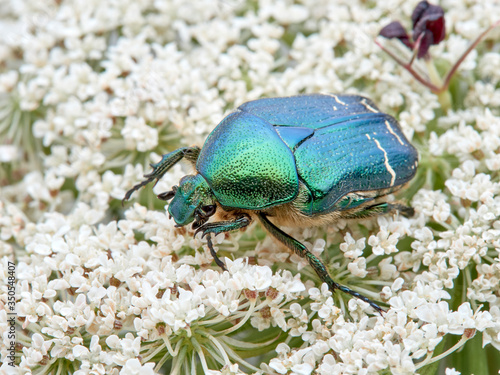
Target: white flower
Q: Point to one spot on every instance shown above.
(138, 135)
(384, 242)
(133, 367)
(358, 267)
(351, 248)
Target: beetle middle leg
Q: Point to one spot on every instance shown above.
(314, 261)
(217, 260)
(219, 227)
(378, 209)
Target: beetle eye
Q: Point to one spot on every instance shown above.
(208, 210)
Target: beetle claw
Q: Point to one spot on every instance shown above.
(134, 188)
(200, 229)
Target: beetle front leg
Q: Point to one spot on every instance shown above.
(220, 227)
(313, 261)
(166, 162)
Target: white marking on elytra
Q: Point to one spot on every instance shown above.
(386, 162)
(392, 131)
(338, 100)
(368, 106)
(335, 108)
(367, 136)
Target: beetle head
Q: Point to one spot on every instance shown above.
(192, 200)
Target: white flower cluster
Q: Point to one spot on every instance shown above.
(92, 91)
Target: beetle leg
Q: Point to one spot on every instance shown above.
(169, 160)
(406, 211)
(166, 162)
(219, 227)
(314, 262)
(378, 209)
(223, 226)
(219, 262)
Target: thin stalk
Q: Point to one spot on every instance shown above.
(199, 351)
(467, 51)
(220, 347)
(410, 70)
(416, 48)
(152, 353)
(242, 321)
(171, 351)
(465, 337)
(177, 362)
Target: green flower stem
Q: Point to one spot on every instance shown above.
(242, 321)
(444, 96)
(428, 360)
(201, 356)
(220, 347)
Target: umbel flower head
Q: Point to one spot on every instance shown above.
(92, 91)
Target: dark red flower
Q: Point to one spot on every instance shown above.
(396, 30)
(428, 28)
(429, 25)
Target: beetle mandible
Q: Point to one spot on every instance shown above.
(297, 161)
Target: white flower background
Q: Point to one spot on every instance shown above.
(92, 91)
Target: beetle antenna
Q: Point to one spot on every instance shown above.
(166, 196)
(200, 219)
(198, 223)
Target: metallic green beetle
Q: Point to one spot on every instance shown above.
(298, 161)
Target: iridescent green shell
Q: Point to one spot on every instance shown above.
(247, 165)
(335, 145)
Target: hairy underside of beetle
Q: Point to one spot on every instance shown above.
(292, 214)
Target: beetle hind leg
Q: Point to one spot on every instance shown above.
(313, 261)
